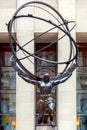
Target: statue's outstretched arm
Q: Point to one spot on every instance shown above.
(27, 79)
(24, 76)
(62, 78)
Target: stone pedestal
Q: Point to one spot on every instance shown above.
(46, 128)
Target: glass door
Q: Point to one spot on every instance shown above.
(7, 90)
(82, 89)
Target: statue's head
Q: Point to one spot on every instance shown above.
(46, 77)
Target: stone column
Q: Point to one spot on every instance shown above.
(25, 95)
(67, 90)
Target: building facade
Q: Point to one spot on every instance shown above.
(17, 97)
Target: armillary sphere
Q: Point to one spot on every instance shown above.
(49, 20)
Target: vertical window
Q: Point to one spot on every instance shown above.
(82, 88)
(7, 90)
(41, 68)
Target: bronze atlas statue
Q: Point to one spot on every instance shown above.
(45, 83)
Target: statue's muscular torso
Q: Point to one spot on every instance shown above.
(45, 88)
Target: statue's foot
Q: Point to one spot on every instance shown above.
(52, 123)
(40, 120)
